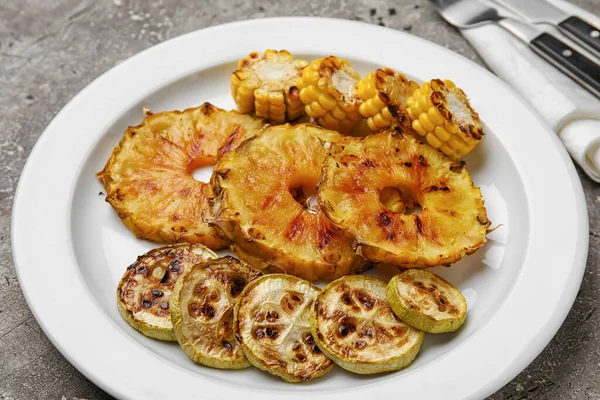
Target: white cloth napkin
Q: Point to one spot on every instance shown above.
(569, 109)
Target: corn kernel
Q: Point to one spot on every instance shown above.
(434, 141)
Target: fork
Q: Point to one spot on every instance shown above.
(466, 14)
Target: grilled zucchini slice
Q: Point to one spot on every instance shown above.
(271, 322)
(202, 311)
(355, 327)
(426, 301)
(144, 292)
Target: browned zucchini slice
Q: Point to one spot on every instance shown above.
(144, 291)
(356, 328)
(271, 322)
(427, 301)
(202, 311)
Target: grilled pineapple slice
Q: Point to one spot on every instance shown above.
(261, 204)
(202, 311)
(370, 184)
(356, 328)
(384, 94)
(271, 322)
(148, 177)
(144, 292)
(267, 85)
(426, 301)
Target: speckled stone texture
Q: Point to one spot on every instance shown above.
(50, 50)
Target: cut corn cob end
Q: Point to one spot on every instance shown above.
(328, 90)
(441, 113)
(267, 85)
(384, 94)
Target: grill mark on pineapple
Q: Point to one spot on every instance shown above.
(423, 225)
(457, 166)
(230, 141)
(325, 234)
(419, 224)
(150, 187)
(296, 227)
(435, 188)
(368, 163)
(383, 219)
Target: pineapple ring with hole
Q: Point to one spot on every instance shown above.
(262, 203)
(271, 323)
(426, 301)
(144, 292)
(202, 311)
(356, 328)
(452, 222)
(148, 178)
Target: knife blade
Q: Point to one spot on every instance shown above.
(575, 28)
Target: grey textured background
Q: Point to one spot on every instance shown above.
(50, 50)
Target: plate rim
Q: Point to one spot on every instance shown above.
(551, 326)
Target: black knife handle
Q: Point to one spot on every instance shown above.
(579, 68)
(583, 33)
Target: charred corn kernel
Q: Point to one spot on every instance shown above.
(328, 91)
(384, 94)
(442, 114)
(267, 85)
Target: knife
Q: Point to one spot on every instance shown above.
(575, 28)
(472, 13)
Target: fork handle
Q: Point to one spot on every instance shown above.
(583, 33)
(575, 65)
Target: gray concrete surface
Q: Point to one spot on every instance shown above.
(50, 50)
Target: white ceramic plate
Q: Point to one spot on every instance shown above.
(70, 248)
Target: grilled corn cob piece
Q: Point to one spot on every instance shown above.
(328, 89)
(267, 86)
(384, 94)
(441, 113)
